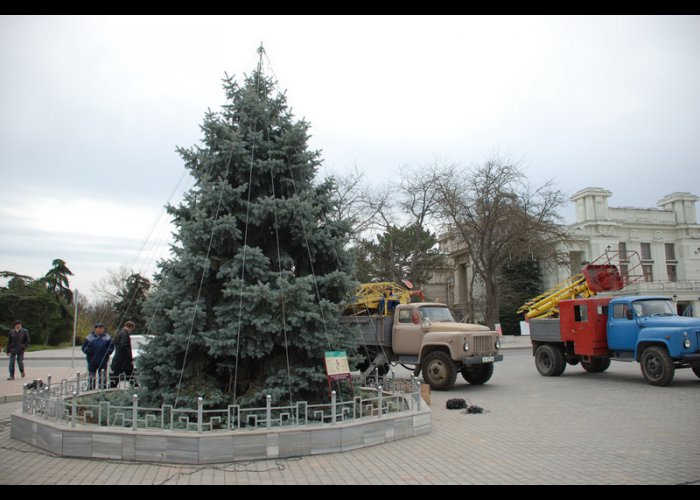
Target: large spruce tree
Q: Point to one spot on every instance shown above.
(249, 300)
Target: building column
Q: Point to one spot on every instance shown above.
(696, 308)
(460, 290)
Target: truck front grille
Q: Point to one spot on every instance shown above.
(483, 344)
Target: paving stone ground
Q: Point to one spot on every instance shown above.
(580, 428)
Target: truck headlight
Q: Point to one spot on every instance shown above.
(466, 346)
(686, 343)
(498, 343)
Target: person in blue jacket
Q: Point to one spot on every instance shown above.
(98, 347)
(388, 301)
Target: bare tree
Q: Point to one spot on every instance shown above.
(497, 216)
(368, 208)
(418, 194)
(107, 287)
(418, 199)
(392, 238)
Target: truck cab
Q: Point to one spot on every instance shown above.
(648, 329)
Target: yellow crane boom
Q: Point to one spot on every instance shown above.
(368, 297)
(609, 272)
(547, 304)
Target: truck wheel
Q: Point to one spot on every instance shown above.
(478, 374)
(696, 369)
(596, 365)
(657, 366)
(439, 371)
(549, 360)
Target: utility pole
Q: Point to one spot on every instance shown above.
(75, 327)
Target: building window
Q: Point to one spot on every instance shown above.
(625, 273)
(646, 251)
(670, 251)
(648, 274)
(622, 248)
(671, 271)
(576, 262)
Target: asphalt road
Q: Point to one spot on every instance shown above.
(579, 428)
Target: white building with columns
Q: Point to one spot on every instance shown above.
(666, 238)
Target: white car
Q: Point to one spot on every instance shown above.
(137, 341)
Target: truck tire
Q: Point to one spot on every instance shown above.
(596, 365)
(657, 366)
(696, 369)
(549, 360)
(439, 371)
(478, 374)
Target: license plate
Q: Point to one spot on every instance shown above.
(488, 359)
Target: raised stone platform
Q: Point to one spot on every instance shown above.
(156, 445)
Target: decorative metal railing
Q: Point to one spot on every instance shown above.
(76, 401)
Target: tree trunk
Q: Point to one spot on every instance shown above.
(470, 306)
(47, 331)
(491, 309)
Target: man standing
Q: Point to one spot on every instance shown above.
(97, 348)
(123, 360)
(388, 301)
(17, 342)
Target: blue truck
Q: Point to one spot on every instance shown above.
(596, 330)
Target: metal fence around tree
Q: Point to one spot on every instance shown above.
(84, 402)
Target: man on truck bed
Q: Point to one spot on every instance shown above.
(388, 301)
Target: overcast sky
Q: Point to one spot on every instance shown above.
(92, 109)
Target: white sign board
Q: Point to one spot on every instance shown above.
(524, 328)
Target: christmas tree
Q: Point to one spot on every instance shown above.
(249, 300)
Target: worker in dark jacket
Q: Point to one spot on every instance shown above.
(97, 348)
(17, 342)
(123, 361)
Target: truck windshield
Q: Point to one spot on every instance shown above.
(436, 314)
(654, 308)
